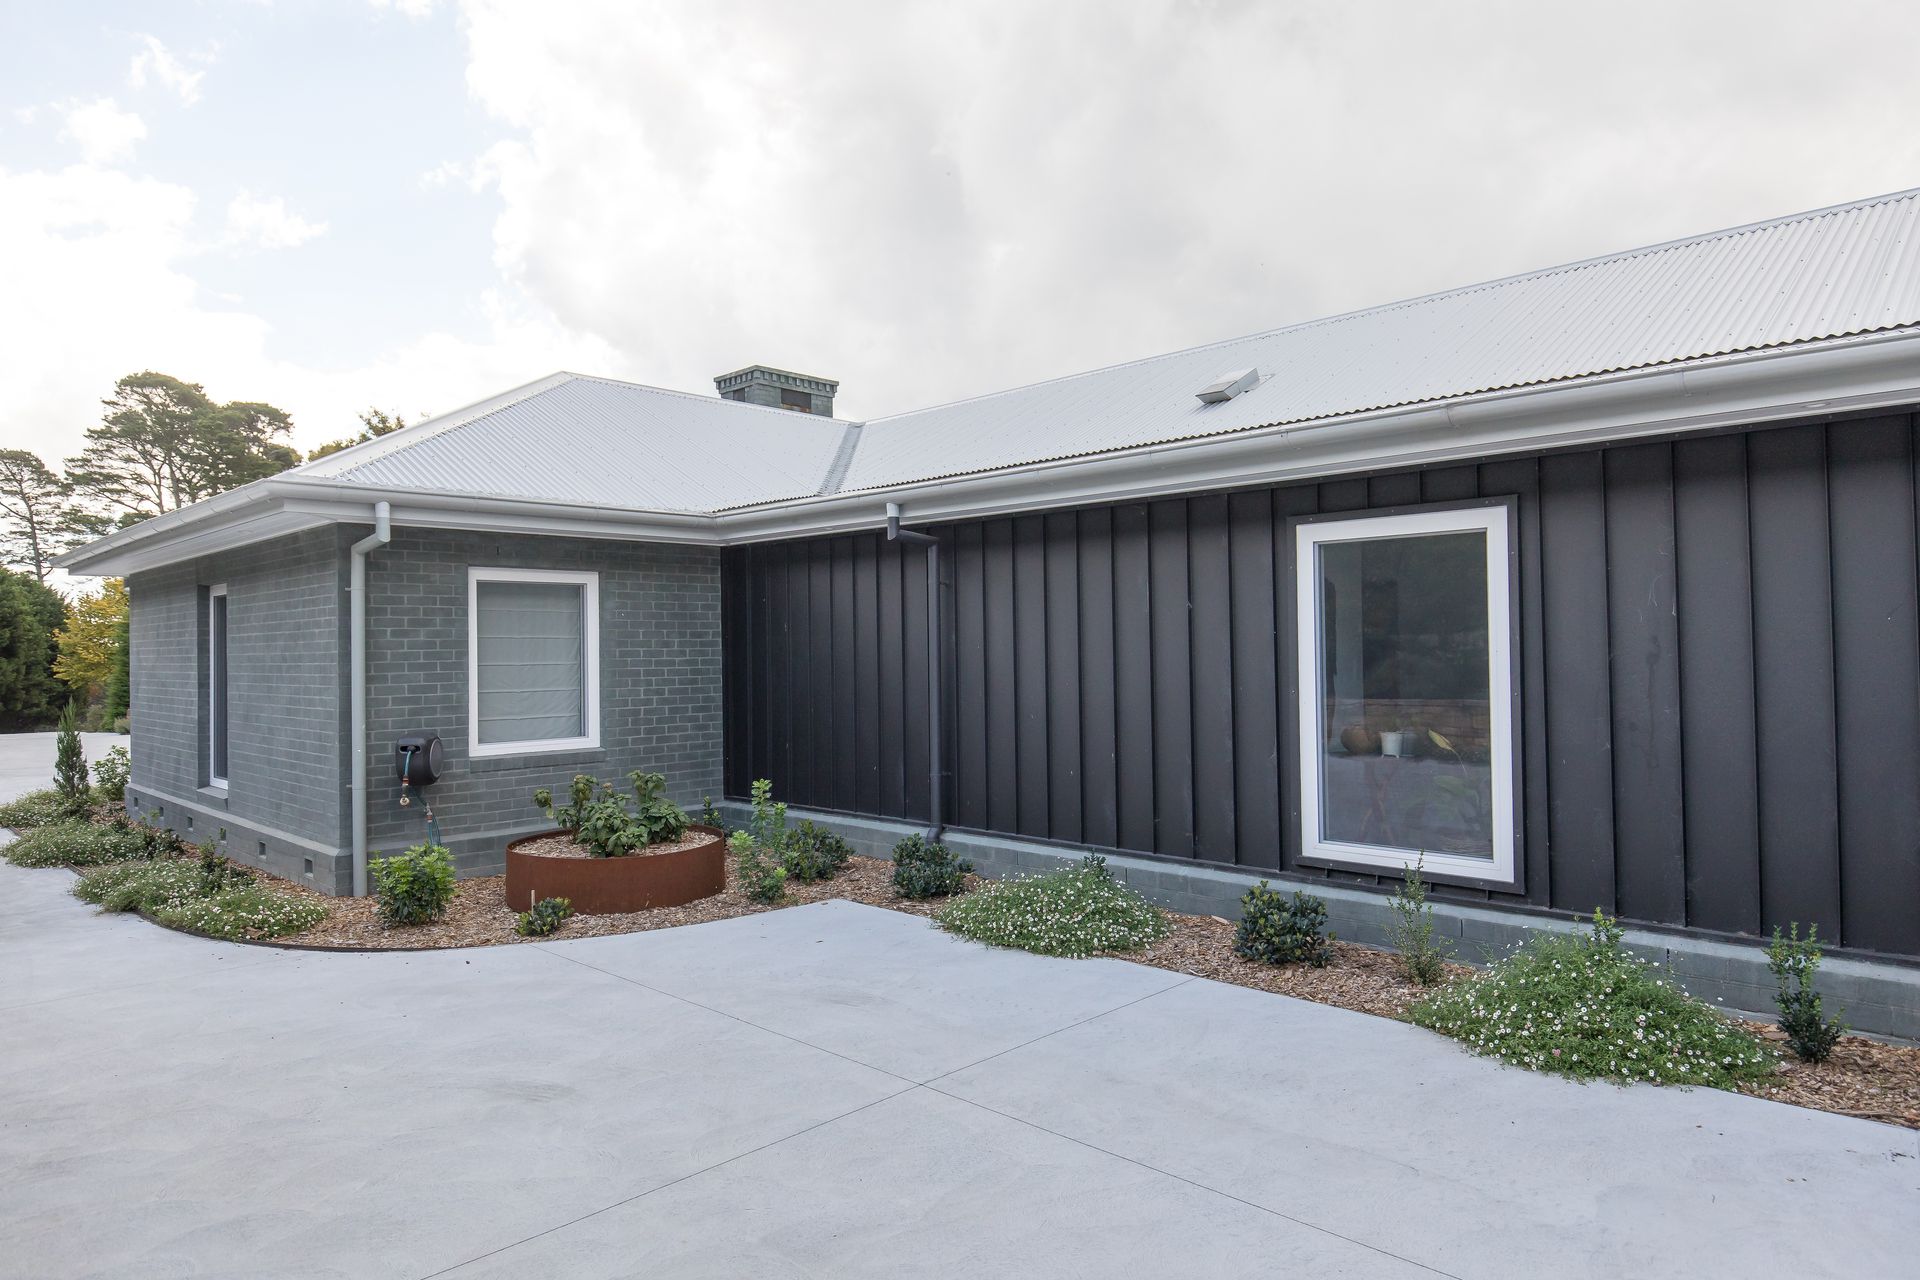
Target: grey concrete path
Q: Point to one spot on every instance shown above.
(26, 759)
(837, 1090)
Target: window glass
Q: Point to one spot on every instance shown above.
(217, 686)
(530, 666)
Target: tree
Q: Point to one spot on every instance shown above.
(163, 443)
(30, 613)
(91, 641)
(33, 504)
(120, 683)
(70, 766)
(374, 423)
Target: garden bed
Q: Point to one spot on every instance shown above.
(671, 873)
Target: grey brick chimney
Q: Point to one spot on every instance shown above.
(779, 388)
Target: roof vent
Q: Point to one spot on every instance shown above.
(1228, 385)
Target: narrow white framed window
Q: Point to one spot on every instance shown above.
(217, 685)
(533, 661)
(1406, 704)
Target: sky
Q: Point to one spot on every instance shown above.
(415, 204)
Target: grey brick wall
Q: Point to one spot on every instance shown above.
(286, 635)
(659, 681)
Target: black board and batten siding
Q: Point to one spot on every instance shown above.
(1719, 672)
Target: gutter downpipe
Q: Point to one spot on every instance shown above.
(357, 643)
(936, 825)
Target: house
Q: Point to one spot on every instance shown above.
(1593, 587)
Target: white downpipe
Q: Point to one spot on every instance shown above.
(357, 642)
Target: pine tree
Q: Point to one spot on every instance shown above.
(70, 765)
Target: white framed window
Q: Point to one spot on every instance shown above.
(217, 685)
(1406, 703)
(533, 661)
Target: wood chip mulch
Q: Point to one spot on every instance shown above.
(1864, 1078)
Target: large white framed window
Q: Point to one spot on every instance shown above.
(217, 686)
(533, 661)
(1406, 694)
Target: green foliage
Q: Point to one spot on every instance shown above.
(1584, 1006)
(251, 910)
(110, 773)
(1410, 932)
(34, 809)
(1793, 961)
(217, 871)
(120, 684)
(374, 423)
(768, 825)
(1079, 911)
(659, 819)
(141, 886)
(30, 614)
(923, 869)
(580, 794)
(77, 844)
(413, 887)
(547, 915)
(814, 853)
(1276, 929)
(602, 821)
(33, 513)
(710, 815)
(70, 765)
(761, 876)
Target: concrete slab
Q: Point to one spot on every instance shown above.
(885, 988)
(943, 1189)
(1385, 1132)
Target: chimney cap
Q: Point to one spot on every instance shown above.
(767, 374)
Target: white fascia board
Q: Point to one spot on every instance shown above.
(1841, 377)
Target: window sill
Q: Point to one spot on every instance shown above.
(537, 760)
(214, 794)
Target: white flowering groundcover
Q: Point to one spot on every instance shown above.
(1080, 911)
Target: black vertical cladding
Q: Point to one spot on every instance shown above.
(1644, 635)
(1876, 651)
(1034, 765)
(1062, 678)
(1719, 664)
(1787, 503)
(1716, 684)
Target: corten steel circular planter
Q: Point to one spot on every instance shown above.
(610, 886)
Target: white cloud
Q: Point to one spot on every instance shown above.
(104, 133)
(157, 64)
(265, 222)
(414, 9)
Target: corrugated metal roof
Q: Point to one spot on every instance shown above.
(1849, 270)
(1835, 272)
(597, 442)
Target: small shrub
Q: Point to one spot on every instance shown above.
(217, 871)
(1584, 1006)
(761, 878)
(923, 869)
(414, 887)
(154, 842)
(252, 910)
(814, 853)
(70, 766)
(110, 774)
(1793, 961)
(1410, 932)
(140, 886)
(77, 844)
(710, 815)
(1079, 911)
(659, 819)
(547, 915)
(600, 819)
(768, 822)
(580, 793)
(1275, 929)
(35, 809)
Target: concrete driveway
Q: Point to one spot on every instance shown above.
(838, 1090)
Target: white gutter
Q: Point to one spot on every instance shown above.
(357, 642)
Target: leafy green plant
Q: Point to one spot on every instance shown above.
(252, 910)
(1793, 961)
(814, 853)
(580, 793)
(547, 915)
(76, 844)
(924, 869)
(710, 815)
(217, 871)
(659, 819)
(1078, 911)
(762, 878)
(414, 887)
(140, 886)
(1410, 932)
(35, 809)
(1276, 929)
(110, 774)
(1584, 1006)
(70, 766)
(768, 822)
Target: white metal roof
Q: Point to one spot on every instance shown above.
(585, 455)
(1847, 270)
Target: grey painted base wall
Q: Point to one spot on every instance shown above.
(1877, 999)
(203, 816)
